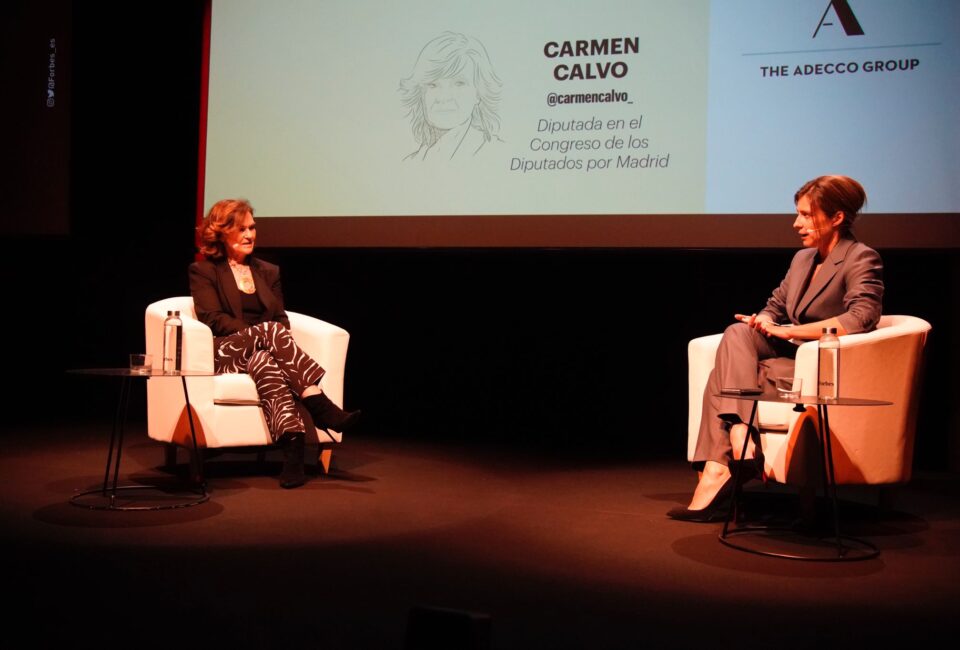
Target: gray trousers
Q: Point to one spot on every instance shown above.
(745, 359)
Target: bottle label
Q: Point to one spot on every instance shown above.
(179, 360)
(828, 384)
(172, 346)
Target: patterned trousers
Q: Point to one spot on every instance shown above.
(279, 368)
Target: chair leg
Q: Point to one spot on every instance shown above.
(887, 496)
(196, 461)
(326, 455)
(808, 505)
(169, 455)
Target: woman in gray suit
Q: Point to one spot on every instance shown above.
(835, 281)
(239, 298)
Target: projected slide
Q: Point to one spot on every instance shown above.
(428, 107)
(798, 90)
(611, 107)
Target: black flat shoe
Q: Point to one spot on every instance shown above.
(716, 510)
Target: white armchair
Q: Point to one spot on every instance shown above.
(870, 445)
(226, 408)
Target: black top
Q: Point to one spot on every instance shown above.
(252, 308)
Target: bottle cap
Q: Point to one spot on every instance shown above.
(170, 313)
(833, 330)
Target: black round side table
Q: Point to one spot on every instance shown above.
(112, 496)
(847, 548)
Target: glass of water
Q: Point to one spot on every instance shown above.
(789, 387)
(141, 364)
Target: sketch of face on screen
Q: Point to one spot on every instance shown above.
(451, 99)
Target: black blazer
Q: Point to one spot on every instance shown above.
(216, 297)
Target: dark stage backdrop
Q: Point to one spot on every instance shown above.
(36, 59)
(555, 350)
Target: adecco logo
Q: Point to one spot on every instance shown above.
(845, 14)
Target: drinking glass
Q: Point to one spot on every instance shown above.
(141, 364)
(789, 387)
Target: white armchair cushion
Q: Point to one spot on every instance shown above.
(235, 389)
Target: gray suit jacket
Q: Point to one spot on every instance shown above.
(849, 286)
(216, 297)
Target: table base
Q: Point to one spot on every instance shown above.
(791, 544)
(839, 547)
(106, 498)
(137, 497)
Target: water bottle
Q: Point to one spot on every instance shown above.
(172, 342)
(828, 367)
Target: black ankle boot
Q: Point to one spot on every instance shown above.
(327, 415)
(292, 475)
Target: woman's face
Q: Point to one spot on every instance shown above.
(240, 240)
(815, 228)
(449, 102)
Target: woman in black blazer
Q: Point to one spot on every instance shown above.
(834, 281)
(239, 298)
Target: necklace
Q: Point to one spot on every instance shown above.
(243, 276)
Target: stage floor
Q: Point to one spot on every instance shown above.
(559, 550)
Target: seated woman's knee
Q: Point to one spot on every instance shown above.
(269, 327)
(739, 331)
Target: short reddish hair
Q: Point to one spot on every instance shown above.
(223, 216)
(833, 194)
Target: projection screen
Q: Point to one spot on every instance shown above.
(561, 123)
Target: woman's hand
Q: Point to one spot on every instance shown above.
(765, 325)
(777, 331)
(753, 320)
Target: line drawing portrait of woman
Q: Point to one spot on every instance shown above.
(451, 99)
